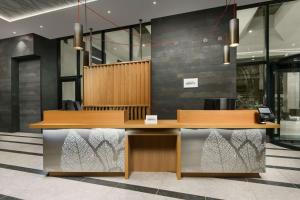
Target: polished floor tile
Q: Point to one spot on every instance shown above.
(21, 160)
(274, 175)
(21, 177)
(263, 192)
(21, 139)
(291, 175)
(21, 147)
(212, 187)
(270, 145)
(150, 179)
(283, 162)
(23, 134)
(283, 153)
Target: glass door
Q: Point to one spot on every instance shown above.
(287, 109)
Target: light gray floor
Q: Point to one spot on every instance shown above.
(275, 184)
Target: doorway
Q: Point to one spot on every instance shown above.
(287, 106)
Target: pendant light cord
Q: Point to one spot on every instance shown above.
(234, 8)
(226, 33)
(78, 13)
(85, 16)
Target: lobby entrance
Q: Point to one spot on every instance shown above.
(287, 103)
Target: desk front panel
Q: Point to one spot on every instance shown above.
(223, 150)
(84, 150)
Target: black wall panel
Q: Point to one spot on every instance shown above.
(190, 45)
(29, 94)
(11, 48)
(12, 52)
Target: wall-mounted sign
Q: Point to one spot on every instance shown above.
(151, 119)
(190, 83)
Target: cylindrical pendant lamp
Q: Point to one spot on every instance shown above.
(226, 55)
(78, 36)
(234, 32)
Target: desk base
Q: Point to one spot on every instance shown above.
(152, 150)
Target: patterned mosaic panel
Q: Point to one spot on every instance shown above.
(87, 150)
(222, 150)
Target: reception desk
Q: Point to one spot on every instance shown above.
(198, 143)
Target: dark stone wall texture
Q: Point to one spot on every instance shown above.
(13, 52)
(190, 45)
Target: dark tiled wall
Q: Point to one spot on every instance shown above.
(29, 94)
(12, 52)
(191, 46)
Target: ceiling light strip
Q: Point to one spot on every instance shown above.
(43, 12)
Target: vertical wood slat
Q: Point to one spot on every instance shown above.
(118, 86)
(135, 112)
(138, 83)
(143, 82)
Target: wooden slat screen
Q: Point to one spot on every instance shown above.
(135, 112)
(118, 86)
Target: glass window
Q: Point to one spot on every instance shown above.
(252, 35)
(67, 58)
(117, 46)
(96, 50)
(288, 91)
(68, 90)
(284, 29)
(146, 43)
(251, 86)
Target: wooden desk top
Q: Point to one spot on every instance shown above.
(119, 119)
(161, 124)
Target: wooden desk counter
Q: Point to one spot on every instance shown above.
(118, 119)
(171, 145)
(161, 124)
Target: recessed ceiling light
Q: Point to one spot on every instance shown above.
(143, 45)
(252, 59)
(250, 31)
(253, 56)
(286, 54)
(14, 32)
(115, 48)
(41, 26)
(154, 2)
(108, 12)
(293, 44)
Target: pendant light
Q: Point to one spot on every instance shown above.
(78, 36)
(78, 32)
(226, 52)
(226, 48)
(234, 29)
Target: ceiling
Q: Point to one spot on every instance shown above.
(55, 18)
(13, 10)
